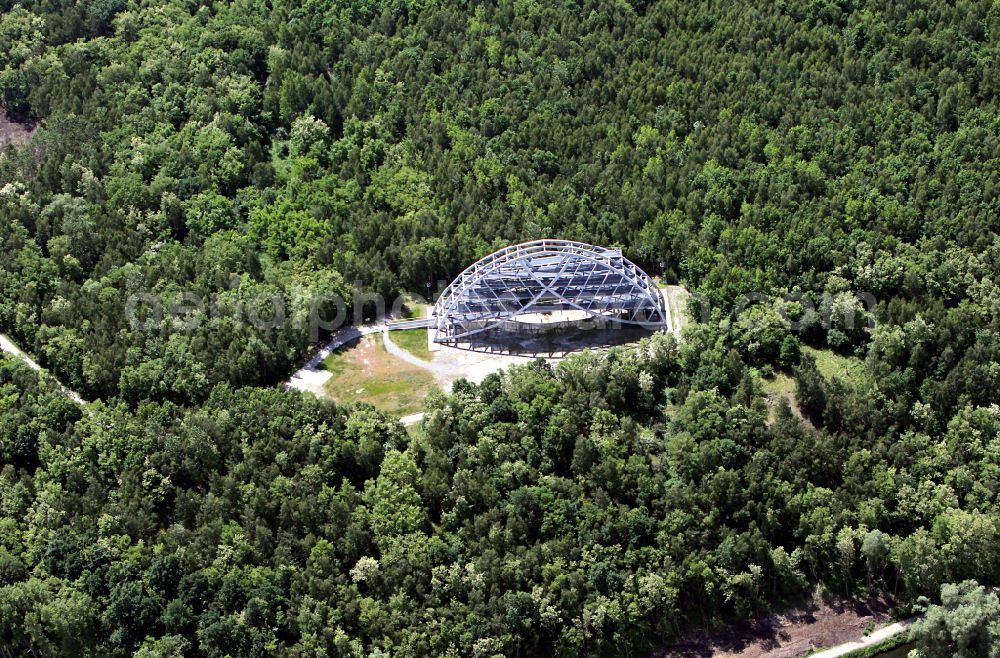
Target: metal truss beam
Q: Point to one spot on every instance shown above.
(547, 275)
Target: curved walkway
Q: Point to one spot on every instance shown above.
(398, 352)
(444, 373)
(311, 378)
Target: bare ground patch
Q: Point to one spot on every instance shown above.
(14, 132)
(365, 372)
(795, 632)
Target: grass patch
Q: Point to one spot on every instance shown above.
(780, 384)
(413, 341)
(365, 372)
(413, 309)
(338, 360)
(850, 369)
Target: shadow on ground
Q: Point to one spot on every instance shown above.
(15, 129)
(552, 344)
(795, 632)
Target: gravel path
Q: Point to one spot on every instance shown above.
(443, 372)
(450, 364)
(7, 345)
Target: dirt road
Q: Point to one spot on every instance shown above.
(881, 634)
(7, 345)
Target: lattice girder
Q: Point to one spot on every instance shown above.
(543, 276)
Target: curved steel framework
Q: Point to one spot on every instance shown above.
(544, 276)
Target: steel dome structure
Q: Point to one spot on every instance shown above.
(544, 276)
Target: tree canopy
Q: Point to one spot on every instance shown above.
(200, 165)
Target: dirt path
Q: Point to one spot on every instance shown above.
(7, 345)
(412, 419)
(881, 634)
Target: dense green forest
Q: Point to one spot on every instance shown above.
(567, 510)
(222, 155)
